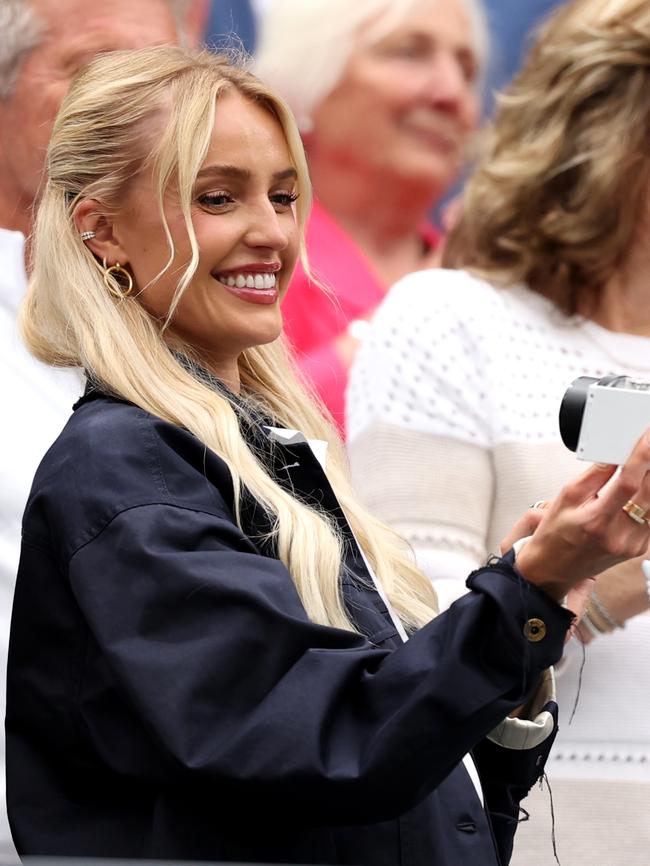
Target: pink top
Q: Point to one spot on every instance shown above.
(314, 318)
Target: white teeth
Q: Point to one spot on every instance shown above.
(249, 281)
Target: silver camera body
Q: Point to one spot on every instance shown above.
(603, 419)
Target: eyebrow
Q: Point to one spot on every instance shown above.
(242, 173)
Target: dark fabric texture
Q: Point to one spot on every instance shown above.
(169, 698)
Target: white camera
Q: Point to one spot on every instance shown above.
(602, 419)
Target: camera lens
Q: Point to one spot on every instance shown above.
(572, 409)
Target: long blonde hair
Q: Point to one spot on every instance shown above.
(561, 189)
(69, 318)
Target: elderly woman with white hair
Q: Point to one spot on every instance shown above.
(385, 93)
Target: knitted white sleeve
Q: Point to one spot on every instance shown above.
(419, 423)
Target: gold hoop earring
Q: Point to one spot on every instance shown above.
(112, 276)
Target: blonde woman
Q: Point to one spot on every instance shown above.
(454, 404)
(216, 653)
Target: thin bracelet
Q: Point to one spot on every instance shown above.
(604, 613)
(591, 627)
(601, 624)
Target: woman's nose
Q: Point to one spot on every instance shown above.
(447, 85)
(268, 228)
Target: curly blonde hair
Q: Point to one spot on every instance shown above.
(561, 189)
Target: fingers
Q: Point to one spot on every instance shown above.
(642, 495)
(526, 525)
(632, 477)
(587, 485)
(585, 530)
(632, 482)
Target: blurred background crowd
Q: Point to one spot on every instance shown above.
(510, 23)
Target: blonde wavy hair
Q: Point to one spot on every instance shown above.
(561, 189)
(100, 141)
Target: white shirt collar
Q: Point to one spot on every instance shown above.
(13, 280)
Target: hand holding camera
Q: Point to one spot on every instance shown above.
(588, 528)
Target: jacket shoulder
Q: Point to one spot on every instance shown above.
(113, 456)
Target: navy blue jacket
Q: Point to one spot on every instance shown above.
(169, 698)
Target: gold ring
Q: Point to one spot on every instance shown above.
(541, 503)
(635, 511)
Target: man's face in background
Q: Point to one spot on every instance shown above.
(74, 31)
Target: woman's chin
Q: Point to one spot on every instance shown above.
(428, 167)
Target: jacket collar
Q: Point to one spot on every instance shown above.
(256, 427)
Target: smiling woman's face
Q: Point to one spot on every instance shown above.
(245, 226)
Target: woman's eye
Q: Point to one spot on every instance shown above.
(407, 49)
(215, 199)
(284, 199)
(408, 52)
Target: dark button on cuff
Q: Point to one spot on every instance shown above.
(535, 630)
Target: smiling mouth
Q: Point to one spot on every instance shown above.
(244, 280)
(258, 288)
(438, 132)
(434, 137)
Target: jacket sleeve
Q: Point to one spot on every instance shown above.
(506, 778)
(511, 759)
(207, 643)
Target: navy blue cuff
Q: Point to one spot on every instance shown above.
(532, 622)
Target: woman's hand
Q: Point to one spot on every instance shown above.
(623, 592)
(577, 598)
(525, 526)
(585, 530)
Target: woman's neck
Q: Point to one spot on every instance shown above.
(226, 371)
(624, 302)
(383, 216)
(203, 364)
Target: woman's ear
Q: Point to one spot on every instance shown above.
(95, 228)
